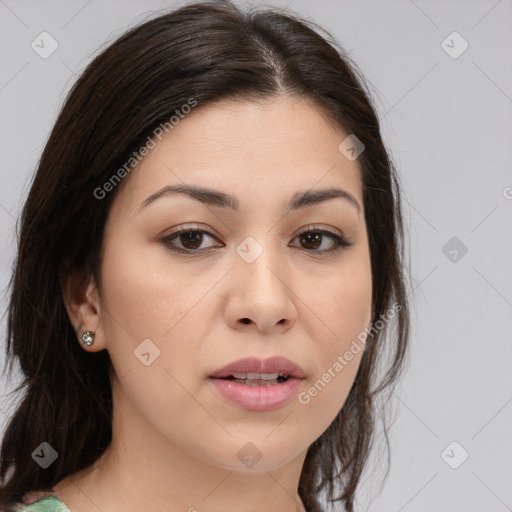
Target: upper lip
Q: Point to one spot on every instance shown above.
(274, 364)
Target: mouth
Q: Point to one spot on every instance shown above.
(258, 385)
(258, 379)
(252, 368)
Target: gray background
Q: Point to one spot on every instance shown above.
(447, 122)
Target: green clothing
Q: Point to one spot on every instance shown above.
(46, 504)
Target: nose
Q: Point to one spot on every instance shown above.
(261, 296)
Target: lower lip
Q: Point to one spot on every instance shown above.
(258, 398)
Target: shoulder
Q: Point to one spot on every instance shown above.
(45, 504)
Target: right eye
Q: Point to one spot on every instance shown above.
(189, 239)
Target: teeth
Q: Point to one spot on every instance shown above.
(270, 376)
(258, 376)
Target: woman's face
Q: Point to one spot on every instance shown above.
(258, 275)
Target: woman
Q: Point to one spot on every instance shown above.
(209, 264)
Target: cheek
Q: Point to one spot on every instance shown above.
(338, 359)
(343, 306)
(320, 402)
(146, 294)
(145, 306)
(153, 306)
(342, 303)
(154, 333)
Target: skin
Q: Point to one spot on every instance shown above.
(175, 438)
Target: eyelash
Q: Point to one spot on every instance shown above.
(340, 241)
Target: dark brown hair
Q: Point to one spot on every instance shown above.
(207, 51)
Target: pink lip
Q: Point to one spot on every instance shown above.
(259, 398)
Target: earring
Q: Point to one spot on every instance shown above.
(88, 338)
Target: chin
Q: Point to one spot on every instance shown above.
(257, 454)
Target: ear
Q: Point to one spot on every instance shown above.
(81, 299)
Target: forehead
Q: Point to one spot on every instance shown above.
(270, 147)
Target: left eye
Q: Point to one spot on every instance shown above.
(315, 238)
(312, 240)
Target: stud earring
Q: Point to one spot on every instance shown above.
(88, 338)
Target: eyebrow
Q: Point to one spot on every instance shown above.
(301, 199)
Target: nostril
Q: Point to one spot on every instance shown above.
(245, 320)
